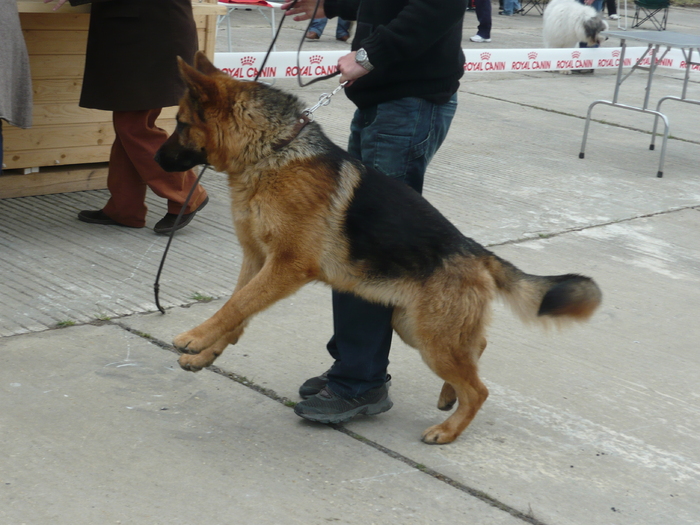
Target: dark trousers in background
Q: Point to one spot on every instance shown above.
(132, 170)
(397, 138)
(483, 15)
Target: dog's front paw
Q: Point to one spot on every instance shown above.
(189, 343)
(438, 435)
(194, 363)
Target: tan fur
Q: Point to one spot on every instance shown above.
(288, 209)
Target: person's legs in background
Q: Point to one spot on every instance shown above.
(316, 28)
(510, 7)
(342, 30)
(132, 169)
(483, 15)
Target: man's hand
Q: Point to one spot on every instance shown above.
(349, 69)
(59, 3)
(304, 9)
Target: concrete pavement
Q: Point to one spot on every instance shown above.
(594, 425)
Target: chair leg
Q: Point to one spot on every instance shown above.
(651, 16)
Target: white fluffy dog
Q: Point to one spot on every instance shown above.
(567, 22)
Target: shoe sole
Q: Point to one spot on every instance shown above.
(368, 410)
(103, 222)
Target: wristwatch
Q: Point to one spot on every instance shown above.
(362, 59)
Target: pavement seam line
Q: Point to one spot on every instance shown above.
(564, 113)
(540, 236)
(244, 381)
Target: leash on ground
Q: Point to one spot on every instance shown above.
(306, 116)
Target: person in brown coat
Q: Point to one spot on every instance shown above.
(131, 70)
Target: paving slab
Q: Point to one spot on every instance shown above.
(98, 426)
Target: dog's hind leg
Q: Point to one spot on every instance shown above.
(448, 396)
(457, 366)
(460, 372)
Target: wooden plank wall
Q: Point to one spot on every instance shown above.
(68, 146)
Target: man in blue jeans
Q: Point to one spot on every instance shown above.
(403, 75)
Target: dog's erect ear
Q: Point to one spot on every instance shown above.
(202, 87)
(204, 65)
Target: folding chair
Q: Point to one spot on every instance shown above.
(655, 11)
(529, 5)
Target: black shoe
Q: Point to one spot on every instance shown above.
(100, 217)
(166, 224)
(314, 385)
(583, 71)
(328, 407)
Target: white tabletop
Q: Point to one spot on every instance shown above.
(664, 38)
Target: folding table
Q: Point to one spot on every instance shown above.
(266, 9)
(655, 40)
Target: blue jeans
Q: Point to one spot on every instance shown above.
(341, 30)
(397, 138)
(510, 6)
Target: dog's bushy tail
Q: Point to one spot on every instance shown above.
(553, 299)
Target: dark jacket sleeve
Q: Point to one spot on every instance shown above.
(412, 32)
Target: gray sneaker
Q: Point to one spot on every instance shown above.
(328, 407)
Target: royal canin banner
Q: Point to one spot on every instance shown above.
(283, 64)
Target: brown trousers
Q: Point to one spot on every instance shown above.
(132, 169)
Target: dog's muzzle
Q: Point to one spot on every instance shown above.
(172, 157)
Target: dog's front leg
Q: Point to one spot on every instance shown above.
(277, 279)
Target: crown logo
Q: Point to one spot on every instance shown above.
(485, 56)
(247, 61)
(575, 54)
(532, 55)
(616, 53)
(315, 59)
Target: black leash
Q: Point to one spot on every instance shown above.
(156, 285)
(301, 44)
(308, 115)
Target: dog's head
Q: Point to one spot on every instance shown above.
(593, 28)
(224, 122)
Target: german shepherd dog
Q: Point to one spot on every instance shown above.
(305, 210)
